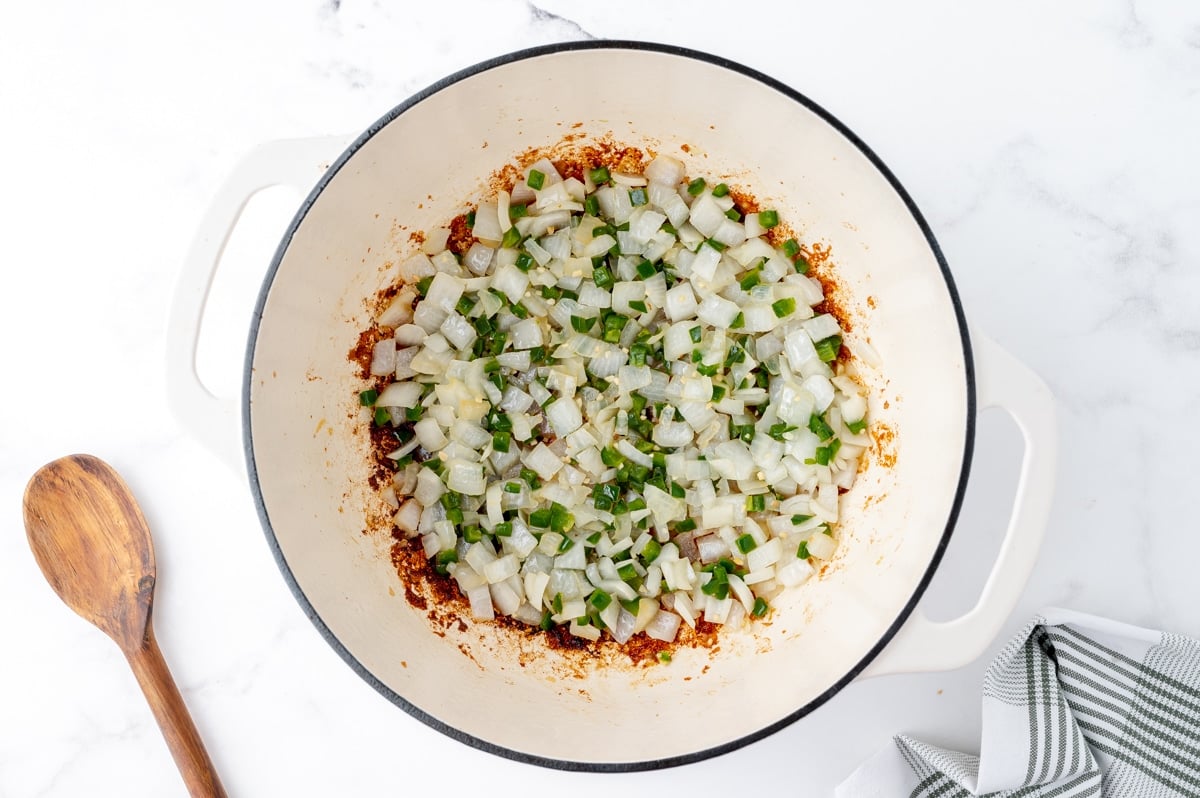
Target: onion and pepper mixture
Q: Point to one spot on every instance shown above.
(617, 409)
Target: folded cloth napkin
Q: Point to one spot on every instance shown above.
(1074, 705)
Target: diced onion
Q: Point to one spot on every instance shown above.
(609, 359)
(821, 546)
(409, 335)
(794, 573)
(526, 334)
(664, 169)
(706, 215)
(673, 434)
(465, 477)
(623, 629)
(644, 225)
(416, 267)
(663, 626)
(822, 327)
(564, 416)
(383, 357)
(704, 264)
(854, 408)
(400, 394)
(478, 258)
(487, 223)
(512, 282)
(799, 347)
(480, 599)
(821, 390)
(718, 312)
(599, 245)
(730, 233)
(399, 311)
(545, 462)
(458, 331)
(408, 516)
(501, 569)
(444, 292)
(430, 434)
(680, 302)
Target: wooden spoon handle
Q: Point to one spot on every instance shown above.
(173, 719)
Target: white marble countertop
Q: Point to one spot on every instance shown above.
(1050, 147)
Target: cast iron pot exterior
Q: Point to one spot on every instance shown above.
(307, 448)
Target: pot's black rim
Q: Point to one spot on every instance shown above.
(650, 764)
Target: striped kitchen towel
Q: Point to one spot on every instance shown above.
(1074, 705)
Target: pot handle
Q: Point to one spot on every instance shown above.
(925, 645)
(212, 419)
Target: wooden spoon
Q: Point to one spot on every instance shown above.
(93, 545)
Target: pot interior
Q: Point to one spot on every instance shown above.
(309, 448)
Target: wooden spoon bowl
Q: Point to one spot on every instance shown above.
(93, 545)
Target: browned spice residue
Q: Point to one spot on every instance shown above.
(415, 598)
(466, 652)
(417, 237)
(507, 176)
(361, 352)
(461, 238)
(883, 444)
(745, 202)
(817, 255)
(571, 160)
(616, 157)
(424, 588)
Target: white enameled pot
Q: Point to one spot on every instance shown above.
(306, 447)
